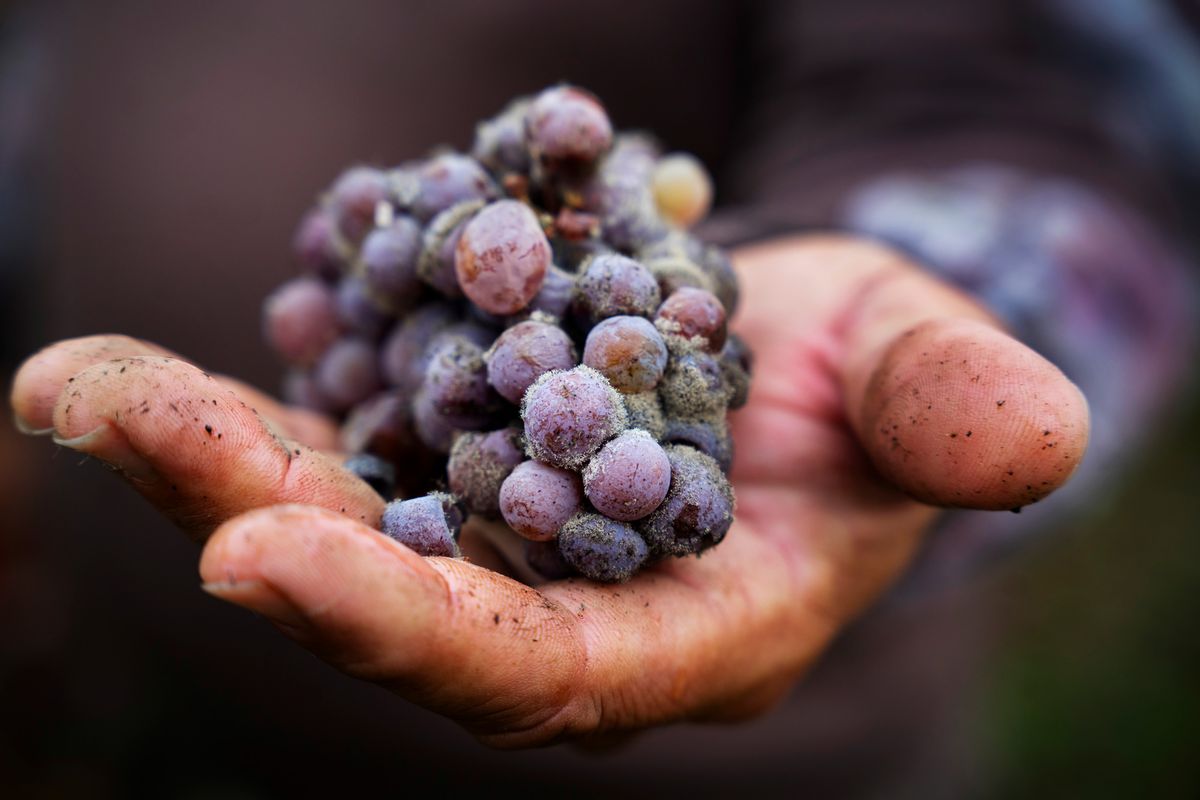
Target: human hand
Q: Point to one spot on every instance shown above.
(874, 385)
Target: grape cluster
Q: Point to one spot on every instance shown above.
(534, 318)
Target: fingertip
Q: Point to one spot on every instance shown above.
(959, 414)
(41, 378)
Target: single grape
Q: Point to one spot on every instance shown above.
(502, 257)
(565, 123)
(708, 435)
(554, 298)
(692, 313)
(628, 351)
(432, 428)
(448, 179)
(352, 200)
(380, 475)
(479, 464)
(300, 320)
(347, 374)
(536, 499)
(629, 477)
(645, 412)
(544, 559)
(693, 386)
(456, 383)
(381, 425)
(612, 285)
(697, 510)
(602, 549)
(619, 192)
(315, 246)
(682, 188)
(569, 415)
(389, 261)
(436, 264)
(736, 362)
(403, 355)
(359, 310)
(500, 141)
(300, 389)
(676, 272)
(427, 525)
(525, 352)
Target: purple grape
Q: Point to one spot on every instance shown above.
(736, 363)
(620, 194)
(403, 355)
(389, 262)
(645, 412)
(456, 383)
(479, 464)
(300, 320)
(544, 559)
(676, 272)
(436, 264)
(380, 475)
(432, 428)
(628, 351)
(710, 437)
(554, 298)
(629, 477)
(689, 313)
(347, 374)
(381, 425)
(536, 499)
(352, 200)
(500, 141)
(300, 389)
(502, 257)
(565, 123)
(698, 508)
(612, 285)
(427, 525)
(359, 311)
(719, 269)
(693, 386)
(569, 415)
(602, 549)
(315, 246)
(525, 352)
(448, 179)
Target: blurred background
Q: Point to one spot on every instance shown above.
(155, 160)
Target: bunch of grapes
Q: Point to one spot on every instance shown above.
(534, 322)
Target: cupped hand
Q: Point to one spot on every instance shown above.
(878, 395)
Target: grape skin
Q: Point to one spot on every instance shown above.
(502, 257)
(629, 477)
(628, 351)
(536, 499)
(566, 123)
(614, 285)
(427, 525)
(698, 508)
(479, 464)
(569, 415)
(602, 549)
(300, 320)
(389, 261)
(691, 312)
(525, 352)
(347, 374)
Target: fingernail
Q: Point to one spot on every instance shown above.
(261, 598)
(27, 429)
(109, 445)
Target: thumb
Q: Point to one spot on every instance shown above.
(950, 408)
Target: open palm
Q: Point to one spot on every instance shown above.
(879, 394)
